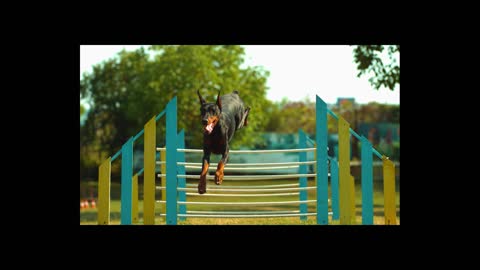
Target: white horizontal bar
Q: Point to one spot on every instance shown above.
(249, 189)
(251, 151)
(264, 186)
(243, 216)
(253, 164)
(244, 169)
(250, 177)
(246, 216)
(352, 163)
(243, 195)
(242, 212)
(249, 203)
(245, 151)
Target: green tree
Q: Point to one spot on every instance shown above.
(82, 110)
(375, 112)
(128, 90)
(288, 117)
(368, 59)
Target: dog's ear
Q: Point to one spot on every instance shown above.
(202, 100)
(219, 102)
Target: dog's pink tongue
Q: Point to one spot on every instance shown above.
(209, 128)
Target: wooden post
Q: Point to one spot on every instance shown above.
(149, 154)
(389, 191)
(103, 205)
(344, 171)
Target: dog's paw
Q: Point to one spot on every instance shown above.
(202, 185)
(218, 178)
(202, 189)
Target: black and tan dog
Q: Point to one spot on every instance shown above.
(220, 121)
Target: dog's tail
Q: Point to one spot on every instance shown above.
(244, 121)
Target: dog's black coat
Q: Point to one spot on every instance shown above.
(227, 115)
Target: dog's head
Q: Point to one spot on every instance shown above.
(210, 113)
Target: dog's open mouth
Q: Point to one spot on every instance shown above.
(211, 124)
(209, 128)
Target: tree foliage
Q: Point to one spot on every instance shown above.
(368, 59)
(288, 117)
(375, 112)
(128, 90)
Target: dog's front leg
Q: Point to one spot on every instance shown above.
(202, 184)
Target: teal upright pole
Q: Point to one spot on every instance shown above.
(334, 188)
(171, 160)
(127, 184)
(367, 182)
(322, 165)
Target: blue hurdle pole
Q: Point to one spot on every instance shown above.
(171, 152)
(127, 185)
(367, 181)
(334, 188)
(322, 165)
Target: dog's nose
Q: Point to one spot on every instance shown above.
(204, 121)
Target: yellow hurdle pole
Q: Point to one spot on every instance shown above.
(103, 205)
(344, 178)
(135, 199)
(389, 191)
(149, 154)
(163, 184)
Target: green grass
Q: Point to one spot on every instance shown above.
(89, 216)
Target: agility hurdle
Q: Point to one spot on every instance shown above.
(341, 169)
(129, 183)
(278, 190)
(173, 167)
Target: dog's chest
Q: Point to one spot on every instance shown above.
(216, 143)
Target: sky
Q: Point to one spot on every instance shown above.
(297, 72)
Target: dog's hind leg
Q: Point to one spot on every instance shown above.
(221, 165)
(202, 184)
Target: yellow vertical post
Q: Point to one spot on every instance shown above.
(389, 191)
(344, 178)
(104, 192)
(149, 154)
(163, 184)
(135, 199)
